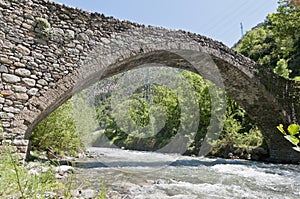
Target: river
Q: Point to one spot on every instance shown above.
(148, 175)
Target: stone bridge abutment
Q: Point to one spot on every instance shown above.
(50, 51)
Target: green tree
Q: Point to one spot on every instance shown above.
(58, 131)
(275, 44)
(282, 68)
(239, 130)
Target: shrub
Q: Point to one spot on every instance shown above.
(238, 132)
(58, 131)
(45, 27)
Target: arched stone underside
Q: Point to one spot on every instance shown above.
(41, 69)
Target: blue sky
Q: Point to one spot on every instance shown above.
(219, 19)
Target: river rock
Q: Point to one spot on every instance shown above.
(64, 169)
(5, 60)
(23, 72)
(29, 82)
(11, 110)
(70, 33)
(22, 96)
(85, 193)
(20, 89)
(33, 91)
(42, 82)
(9, 78)
(23, 50)
(7, 92)
(3, 69)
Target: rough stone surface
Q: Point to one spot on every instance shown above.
(44, 70)
(3, 69)
(23, 49)
(22, 96)
(33, 91)
(11, 110)
(7, 92)
(20, 88)
(22, 72)
(5, 60)
(29, 82)
(9, 78)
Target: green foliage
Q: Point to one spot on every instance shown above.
(17, 182)
(85, 118)
(292, 134)
(159, 108)
(253, 43)
(201, 89)
(239, 132)
(58, 131)
(162, 100)
(102, 194)
(297, 78)
(44, 27)
(275, 44)
(239, 129)
(42, 23)
(282, 68)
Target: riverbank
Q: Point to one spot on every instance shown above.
(126, 174)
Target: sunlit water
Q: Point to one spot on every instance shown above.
(141, 175)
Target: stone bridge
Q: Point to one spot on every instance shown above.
(50, 51)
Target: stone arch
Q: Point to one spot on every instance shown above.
(239, 75)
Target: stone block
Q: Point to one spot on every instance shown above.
(11, 109)
(23, 50)
(42, 82)
(3, 69)
(22, 72)
(29, 81)
(5, 60)
(33, 91)
(7, 92)
(22, 96)
(21, 89)
(9, 78)
(20, 142)
(5, 124)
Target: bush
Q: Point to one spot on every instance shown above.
(238, 133)
(58, 132)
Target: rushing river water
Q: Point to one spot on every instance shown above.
(141, 175)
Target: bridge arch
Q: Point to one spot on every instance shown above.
(240, 80)
(80, 51)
